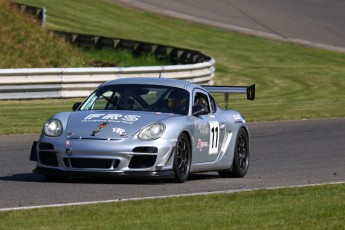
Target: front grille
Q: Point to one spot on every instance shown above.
(142, 161)
(84, 163)
(48, 158)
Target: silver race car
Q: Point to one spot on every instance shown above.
(146, 127)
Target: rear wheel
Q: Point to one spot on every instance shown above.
(240, 162)
(182, 159)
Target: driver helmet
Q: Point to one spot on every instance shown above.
(177, 98)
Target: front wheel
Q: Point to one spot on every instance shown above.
(182, 159)
(240, 162)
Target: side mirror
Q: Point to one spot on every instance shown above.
(199, 110)
(76, 106)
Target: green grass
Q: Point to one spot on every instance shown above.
(293, 82)
(320, 207)
(25, 44)
(28, 116)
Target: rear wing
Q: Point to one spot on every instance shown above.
(249, 90)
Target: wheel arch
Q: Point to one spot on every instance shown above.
(245, 128)
(189, 136)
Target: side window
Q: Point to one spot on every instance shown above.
(213, 104)
(201, 99)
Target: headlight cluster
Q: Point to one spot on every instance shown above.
(152, 132)
(53, 128)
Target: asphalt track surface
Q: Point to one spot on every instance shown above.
(317, 23)
(283, 153)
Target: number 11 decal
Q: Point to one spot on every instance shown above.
(214, 137)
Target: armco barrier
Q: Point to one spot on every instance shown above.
(171, 54)
(79, 82)
(188, 64)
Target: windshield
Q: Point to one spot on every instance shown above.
(139, 97)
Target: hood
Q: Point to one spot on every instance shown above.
(109, 124)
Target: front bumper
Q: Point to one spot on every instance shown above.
(130, 174)
(103, 158)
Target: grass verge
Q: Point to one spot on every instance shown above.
(320, 207)
(25, 44)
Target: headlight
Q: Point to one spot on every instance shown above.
(152, 132)
(53, 128)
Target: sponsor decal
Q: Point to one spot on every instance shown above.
(238, 118)
(68, 148)
(100, 126)
(68, 144)
(201, 144)
(119, 131)
(203, 128)
(94, 132)
(113, 118)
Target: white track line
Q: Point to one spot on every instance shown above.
(160, 197)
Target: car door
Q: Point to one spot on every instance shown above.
(209, 131)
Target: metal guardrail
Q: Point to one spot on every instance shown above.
(80, 82)
(173, 55)
(37, 83)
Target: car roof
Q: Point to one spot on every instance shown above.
(154, 81)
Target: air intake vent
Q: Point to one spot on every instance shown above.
(48, 158)
(46, 146)
(142, 161)
(90, 163)
(145, 149)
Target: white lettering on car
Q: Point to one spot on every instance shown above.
(131, 118)
(118, 131)
(97, 117)
(203, 128)
(111, 116)
(238, 119)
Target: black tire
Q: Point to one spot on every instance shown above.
(182, 159)
(240, 162)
